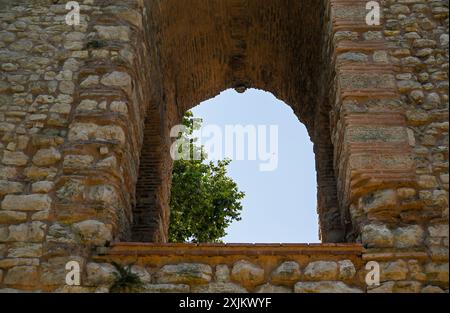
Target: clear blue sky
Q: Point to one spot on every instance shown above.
(279, 206)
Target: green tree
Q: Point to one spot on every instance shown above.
(204, 200)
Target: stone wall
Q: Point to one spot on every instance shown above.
(391, 124)
(233, 268)
(85, 114)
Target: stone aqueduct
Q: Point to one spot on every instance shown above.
(85, 114)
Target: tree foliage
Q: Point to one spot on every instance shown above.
(204, 200)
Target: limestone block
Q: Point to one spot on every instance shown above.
(438, 230)
(437, 272)
(54, 271)
(143, 274)
(87, 105)
(321, 270)
(14, 158)
(378, 200)
(347, 269)
(117, 79)
(409, 236)
(385, 287)
(60, 234)
(25, 250)
(99, 274)
(324, 287)
(11, 262)
(77, 161)
(4, 233)
(269, 288)
(103, 193)
(166, 288)
(30, 232)
(40, 173)
(185, 273)
(42, 186)
(374, 235)
(45, 157)
(247, 273)
(63, 108)
(222, 274)
(33, 202)
(286, 273)
(9, 187)
(87, 131)
(90, 81)
(93, 232)
(431, 289)
(396, 270)
(219, 288)
(407, 287)
(119, 106)
(121, 33)
(12, 217)
(21, 276)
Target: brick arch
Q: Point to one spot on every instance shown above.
(75, 101)
(277, 46)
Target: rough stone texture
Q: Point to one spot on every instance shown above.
(222, 273)
(166, 288)
(85, 114)
(93, 232)
(247, 273)
(268, 288)
(185, 273)
(377, 236)
(36, 202)
(321, 270)
(54, 271)
(287, 272)
(347, 269)
(143, 274)
(22, 276)
(219, 288)
(324, 287)
(397, 270)
(100, 274)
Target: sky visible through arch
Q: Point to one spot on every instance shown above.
(280, 205)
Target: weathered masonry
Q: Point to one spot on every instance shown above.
(85, 114)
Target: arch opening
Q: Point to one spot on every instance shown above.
(280, 193)
(277, 46)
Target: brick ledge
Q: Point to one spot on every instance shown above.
(136, 249)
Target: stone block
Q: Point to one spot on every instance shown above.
(321, 270)
(324, 287)
(247, 273)
(286, 273)
(93, 232)
(21, 276)
(185, 273)
(33, 202)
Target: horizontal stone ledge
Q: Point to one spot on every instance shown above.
(340, 24)
(132, 248)
(370, 180)
(392, 118)
(378, 147)
(368, 68)
(369, 93)
(347, 46)
(387, 255)
(101, 93)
